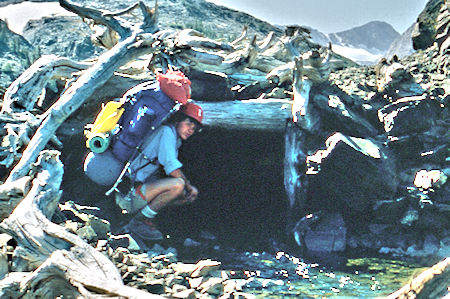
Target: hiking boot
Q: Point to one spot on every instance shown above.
(144, 228)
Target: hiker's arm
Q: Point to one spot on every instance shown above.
(192, 191)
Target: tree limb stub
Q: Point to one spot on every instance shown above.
(97, 16)
(150, 16)
(267, 42)
(122, 12)
(77, 94)
(241, 37)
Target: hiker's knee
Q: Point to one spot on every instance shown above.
(178, 186)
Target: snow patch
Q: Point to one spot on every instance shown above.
(358, 55)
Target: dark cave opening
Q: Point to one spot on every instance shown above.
(239, 174)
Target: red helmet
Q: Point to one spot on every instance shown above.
(192, 110)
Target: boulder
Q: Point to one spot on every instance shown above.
(336, 115)
(323, 233)
(389, 211)
(424, 32)
(409, 115)
(73, 43)
(17, 54)
(335, 185)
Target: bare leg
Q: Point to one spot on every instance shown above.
(162, 193)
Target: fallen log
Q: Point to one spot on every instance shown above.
(431, 283)
(266, 114)
(56, 257)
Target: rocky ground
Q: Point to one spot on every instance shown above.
(417, 143)
(158, 269)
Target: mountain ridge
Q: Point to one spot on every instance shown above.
(362, 44)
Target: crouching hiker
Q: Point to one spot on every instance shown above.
(170, 186)
(156, 175)
(141, 152)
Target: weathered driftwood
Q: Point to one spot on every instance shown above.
(11, 194)
(119, 25)
(52, 279)
(241, 37)
(189, 38)
(266, 64)
(193, 57)
(104, 28)
(431, 283)
(294, 172)
(26, 90)
(263, 114)
(16, 133)
(301, 89)
(234, 62)
(309, 68)
(16, 136)
(56, 256)
(132, 44)
(315, 66)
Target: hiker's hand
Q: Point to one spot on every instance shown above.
(191, 194)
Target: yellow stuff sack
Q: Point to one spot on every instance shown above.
(105, 122)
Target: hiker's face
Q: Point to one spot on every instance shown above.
(186, 128)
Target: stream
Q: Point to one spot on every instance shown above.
(283, 275)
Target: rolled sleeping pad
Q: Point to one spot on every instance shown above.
(99, 142)
(102, 168)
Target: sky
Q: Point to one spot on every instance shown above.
(326, 16)
(330, 16)
(17, 15)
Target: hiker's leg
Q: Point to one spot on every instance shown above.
(161, 193)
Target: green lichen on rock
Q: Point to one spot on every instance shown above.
(16, 55)
(424, 32)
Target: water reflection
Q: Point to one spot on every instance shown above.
(283, 275)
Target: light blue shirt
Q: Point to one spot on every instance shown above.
(162, 144)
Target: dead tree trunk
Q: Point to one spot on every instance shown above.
(294, 172)
(63, 264)
(304, 122)
(56, 256)
(136, 43)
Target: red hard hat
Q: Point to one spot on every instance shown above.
(193, 110)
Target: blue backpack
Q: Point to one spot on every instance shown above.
(146, 106)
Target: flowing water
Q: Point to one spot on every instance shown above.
(283, 276)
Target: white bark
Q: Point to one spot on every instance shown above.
(62, 263)
(77, 94)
